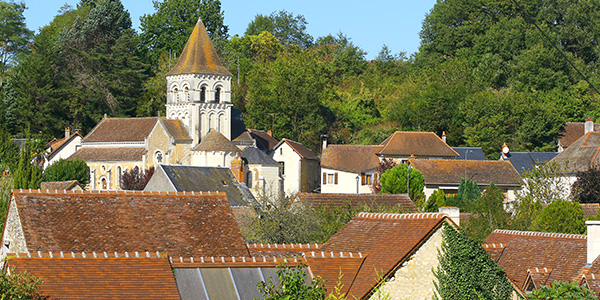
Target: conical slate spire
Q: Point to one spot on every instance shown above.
(199, 55)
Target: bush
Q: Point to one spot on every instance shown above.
(68, 169)
(134, 179)
(394, 180)
(562, 217)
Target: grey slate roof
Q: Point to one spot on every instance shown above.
(253, 155)
(582, 154)
(474, 153)
(205, 179)
(525, 161)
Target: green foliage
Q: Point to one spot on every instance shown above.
(9, 152)
(6, 186)
(14, 35)
(526, 209)
(68, 169)
(286, 27)
(563, 290)
(394, 181)
(488, 214)
(435, 201)
(19, 285)
(562, 217)
(466, 271)
(27, 175)
(466, 197)
(587, 187)
(293, 284)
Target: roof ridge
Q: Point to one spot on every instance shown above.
(540, 234)
(331, 254)
(283, 246)
(493, 245)
(116, 192)
(83, 255)
(233, 259)
(400, 215)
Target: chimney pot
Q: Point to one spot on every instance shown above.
(269, 132)
(67, 133)
(324, 138)
(452, 212)
(444, 136)
(589, 125)
(593, 240)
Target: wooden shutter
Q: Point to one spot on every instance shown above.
(336, 177)
(324, 178)
(363, 179)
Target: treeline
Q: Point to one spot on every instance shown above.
(484, 73)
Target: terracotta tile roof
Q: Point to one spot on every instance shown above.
(493, 250)
(56, 144)
(572, 132)
(302, 151)
(564, 254)
(264, 141)
(539, 277)
(281, 250)
(101, 277)
(121, 130)
(179, 223)
(357, 200)
(109, 154)
(386, 239)
(450, 171)
(582, 154)
(330, 266)
(199, 55)
(59, 185)
(233, 261)
(215, 141)
(175, 129)
(244, 138)
(353, 158)
(407, 143)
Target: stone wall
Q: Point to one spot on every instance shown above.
(414, 280)
(13, 233)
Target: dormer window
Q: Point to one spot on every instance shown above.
(218, 95)
(203, 94)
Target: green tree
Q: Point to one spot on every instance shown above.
(68, 169)
(563, 290)
(169, 27)
(435, 201)
(27, 175)
(587, 187)
(468, 194)
(9, 152)
(561, 217)
(394, 181)
(544, 184)
(293, 284)
(466, 271)
(488, 214)
(14, 35)
(286, 27)
(20, 285)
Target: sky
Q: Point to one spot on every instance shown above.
(369, 24)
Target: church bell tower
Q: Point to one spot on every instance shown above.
(199, 88)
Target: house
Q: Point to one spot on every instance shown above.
(62, 148)
(403, 145)
(180, 224)
(263, 140)
(572, 131)
(445, 175)
(215, 150)
(116, 145)
(262, 173)
(525, 161)
(349, 168)
(69, 185)
(470, 153)
(299, 167)
(98, 275)
(535, 259)
(178, 178)
(401, 201)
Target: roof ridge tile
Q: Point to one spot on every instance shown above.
(116, 192)
(540, 234)
(84, 255)
(368, 215)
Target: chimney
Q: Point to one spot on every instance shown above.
(505, 150)
(67, 132)
(237, 168)
(444, 136)
(452, 212)
(269, 132)
(324, 138)
(593, 240)
(589, 125)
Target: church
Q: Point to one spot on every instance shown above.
(201, 128)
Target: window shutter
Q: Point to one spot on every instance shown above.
(336, 177)
(324, 178)
(362, 179)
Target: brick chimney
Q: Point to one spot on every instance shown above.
(593, 241)
(237, 168)
(452, 212)
(269, 132)
(324, 138)
(589, 125)
(67, 133)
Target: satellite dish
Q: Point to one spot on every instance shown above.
(505, 149)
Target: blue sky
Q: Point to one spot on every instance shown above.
(369, 24)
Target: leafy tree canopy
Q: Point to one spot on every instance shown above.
(68, 169)
(563, 290)
(286, 27)
(562, 217)
(587, 187)
(136, 179)
(394, 181)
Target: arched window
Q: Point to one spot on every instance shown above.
(104, 185)
(203, 94)
(176, 92)
(186, 91)
(119, 173)
(158, 157)
(218, 95)
(249, 180)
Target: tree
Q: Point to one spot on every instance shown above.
(20, 285)
(292, 285)
(587, 187)
(286, 27)
(545, 183)
(465, 270)
(394, 181)
(488, 214)
(14, 35)
(466, 197)
(68, 169)
(435, 201)
(563, 290)
(134, 179)
(384, 165)
(27, 175)
(562, 217)
(9, 152)
(169, 27)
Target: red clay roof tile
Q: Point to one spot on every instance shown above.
(121, 130)
(407, 143)
(354, 158)
(358, 200)
(450, 171)
(109, 154)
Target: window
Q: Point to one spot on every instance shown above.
(366, 179)
(176, 91)
(103, 184)
(332, 178)
(158, 157)
(282, 164)
(119, 173)
(249, 180)
(186, 91)
(218, 95)
(203, 94)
